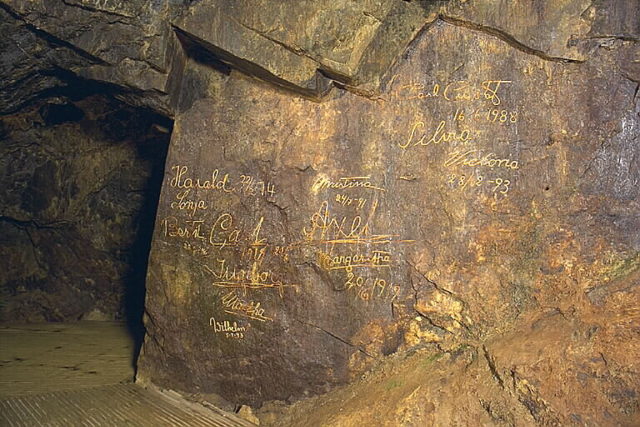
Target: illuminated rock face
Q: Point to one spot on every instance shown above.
(485, 189)
(475, 192)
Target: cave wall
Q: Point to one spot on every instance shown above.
(74, 245)
(77, 208)
(347, 181)
(489, 188)
(82, 160)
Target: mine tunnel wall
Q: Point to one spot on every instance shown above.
(84, 172)
(344, 182)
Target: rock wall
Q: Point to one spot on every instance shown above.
(346, 181)
(82, 157)
(492, 185)
(77, 208)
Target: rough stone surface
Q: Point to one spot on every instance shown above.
(79, 178)
(474, 194)
(552, 28)
(547, 374)
(305, 46)
(58, 53)
(128, 44)
(138, 45)
(487, 198)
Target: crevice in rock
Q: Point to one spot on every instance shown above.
(492, 366)
(153, 336)
(317, 91)
(534, 404)
(331, 334)
(151, 65)
(25, 79)
(635, 80)
(610, 37)
(443, 291)
(52, 40)
(507, 38)
(425, 316)
(201, 55)
(497, 415)
(293, 49)
(22, 224)
(94, 9)
(34, 250)
(438, 287)
(432, 323)
(74, 88)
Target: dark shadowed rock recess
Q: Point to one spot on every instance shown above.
(350, 180)
(77, 208)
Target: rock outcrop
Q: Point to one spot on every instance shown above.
(347, 181)
(486, 189)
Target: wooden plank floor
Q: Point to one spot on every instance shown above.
(63, 356)
(81, 374)
(109, 405)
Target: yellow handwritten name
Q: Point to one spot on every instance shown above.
(246, 278)
(191, 206)
(348, 262)
(438, 136)
(182, 180)
(459, 91)
(233, 304)
(473, 158)
(325, 228)
(223, 233)
(229, 329)
(191, 229)
(344, 183)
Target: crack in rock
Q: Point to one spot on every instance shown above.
(331, 334)
(52, 40)
(492, 366)
(507, 38)
(94, 9)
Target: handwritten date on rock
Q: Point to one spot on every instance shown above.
(367, 288)
(463, 182)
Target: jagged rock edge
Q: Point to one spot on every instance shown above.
(506, 37)
(323, 84)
